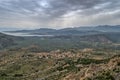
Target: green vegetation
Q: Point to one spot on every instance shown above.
(66, 44)
(105, 76)
(87, 61)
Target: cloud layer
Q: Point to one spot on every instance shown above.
(58, 13)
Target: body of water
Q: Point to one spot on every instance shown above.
(27, 34)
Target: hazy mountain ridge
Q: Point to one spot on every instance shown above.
(76, 30)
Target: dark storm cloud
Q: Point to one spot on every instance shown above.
(64, 13)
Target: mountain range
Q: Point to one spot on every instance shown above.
(64, 38)
(72, 31)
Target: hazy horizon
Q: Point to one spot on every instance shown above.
(15, 29)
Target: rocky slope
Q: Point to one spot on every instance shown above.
(86, 64)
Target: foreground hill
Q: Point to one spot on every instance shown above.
(85, 64)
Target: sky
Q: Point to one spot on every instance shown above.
(29, 14)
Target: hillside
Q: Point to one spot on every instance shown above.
(84, 64)
(46, 43)
(7, 40)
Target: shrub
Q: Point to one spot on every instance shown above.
(18, 75)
